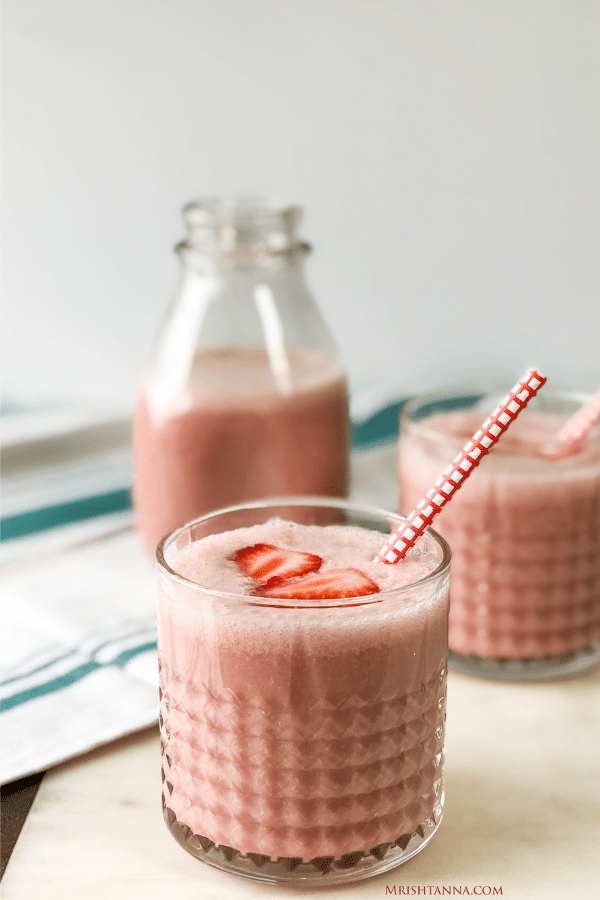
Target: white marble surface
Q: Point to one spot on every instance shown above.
(522, 812)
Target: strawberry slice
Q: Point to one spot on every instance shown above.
(271, 565)
(335, 584)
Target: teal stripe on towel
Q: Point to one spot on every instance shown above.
(76, 674)
(56, 660)
(36, 520)
(379, 428)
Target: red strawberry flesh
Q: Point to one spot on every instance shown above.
(336, 584)
(272, 565)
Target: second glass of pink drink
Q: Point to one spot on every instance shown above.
(303, 690)
(245, 395)
(524, 532)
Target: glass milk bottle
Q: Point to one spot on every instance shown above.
(245, 395)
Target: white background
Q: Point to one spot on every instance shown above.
(446, 153)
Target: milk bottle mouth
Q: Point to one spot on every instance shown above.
(241, 225)
(320, 511)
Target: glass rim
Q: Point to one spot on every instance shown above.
(441, 569)
(480, 391)
(232, 207)
(212, 223)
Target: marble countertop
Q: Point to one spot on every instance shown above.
(522, 813)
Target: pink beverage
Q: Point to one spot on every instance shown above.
(302, 691)
(524, 531)
(238, 433)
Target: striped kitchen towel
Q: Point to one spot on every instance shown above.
(78, 652)
(78, 628)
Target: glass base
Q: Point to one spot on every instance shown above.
(526, 669)
(296, 871)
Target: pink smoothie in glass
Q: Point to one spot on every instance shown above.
(239, 432)
(524, 531)
(302, 730)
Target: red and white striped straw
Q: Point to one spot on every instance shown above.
(577, 427)
(456, 474)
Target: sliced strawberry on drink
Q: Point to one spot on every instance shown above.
(271, 565)
(336, 584)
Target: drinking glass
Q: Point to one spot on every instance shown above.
(524, 529)
(302, 741)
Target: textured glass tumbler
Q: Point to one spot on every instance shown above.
(302, 741)
(524, 531)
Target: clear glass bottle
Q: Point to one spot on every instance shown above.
(245, 395)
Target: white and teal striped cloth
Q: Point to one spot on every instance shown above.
(78, 638)
(78, 652)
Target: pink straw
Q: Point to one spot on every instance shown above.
(578, 426)
(456, 474)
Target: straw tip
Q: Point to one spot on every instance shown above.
(535, 378)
